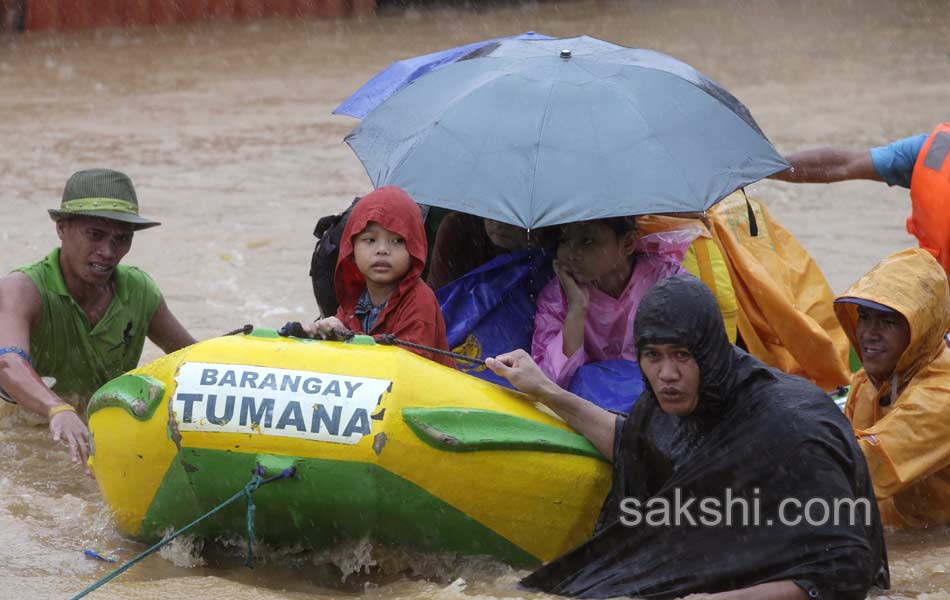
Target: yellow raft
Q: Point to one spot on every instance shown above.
(386, 446)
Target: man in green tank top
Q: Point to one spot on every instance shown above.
(77, 316)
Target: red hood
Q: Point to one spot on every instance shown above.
(394, 210)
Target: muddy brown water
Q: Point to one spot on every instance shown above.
(227, 133)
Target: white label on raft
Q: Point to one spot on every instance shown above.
(302, 404)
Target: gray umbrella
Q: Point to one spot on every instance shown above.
(542, 132)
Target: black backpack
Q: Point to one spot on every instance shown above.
(329, 232)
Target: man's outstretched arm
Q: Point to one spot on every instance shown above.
(20, 307)
(828, 165)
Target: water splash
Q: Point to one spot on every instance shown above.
(184, 551)
(350, 558)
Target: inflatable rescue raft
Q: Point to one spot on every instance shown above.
(386, 445)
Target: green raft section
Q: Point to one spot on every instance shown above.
(471, 430)
(325, 503)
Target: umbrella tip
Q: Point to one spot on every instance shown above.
(565, 53)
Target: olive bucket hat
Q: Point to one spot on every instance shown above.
(101, 193)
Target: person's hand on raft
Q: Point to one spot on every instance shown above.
(66, 426)
(329, 328)
(522, 372)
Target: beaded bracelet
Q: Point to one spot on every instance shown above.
(16, 350)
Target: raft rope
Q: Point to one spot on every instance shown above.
(295, 329)
(257, 480)
(246, 330)
(388, 339)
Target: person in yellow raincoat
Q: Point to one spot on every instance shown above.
(896, 316)
(785, 315)
(770, 290)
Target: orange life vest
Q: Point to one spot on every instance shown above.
(930, 196)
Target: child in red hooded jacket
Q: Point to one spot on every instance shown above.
(378, 285)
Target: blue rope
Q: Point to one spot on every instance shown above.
(251, 509)
(252, 486)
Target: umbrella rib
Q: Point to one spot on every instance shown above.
(579, 63)
(537, 158)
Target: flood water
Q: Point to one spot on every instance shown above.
(226, 131)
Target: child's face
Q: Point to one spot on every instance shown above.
(590, 250)
(381, 255)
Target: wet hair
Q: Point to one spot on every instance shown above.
(620, 225)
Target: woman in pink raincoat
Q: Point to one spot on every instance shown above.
(585, 313)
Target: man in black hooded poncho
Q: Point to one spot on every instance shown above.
(715, 423)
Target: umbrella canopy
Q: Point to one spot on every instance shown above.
(538, 133)
(400, 74)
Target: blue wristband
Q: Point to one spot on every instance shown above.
(16, 350)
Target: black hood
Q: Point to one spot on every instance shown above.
(681, 310)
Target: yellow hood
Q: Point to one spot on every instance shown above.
(912, 283)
